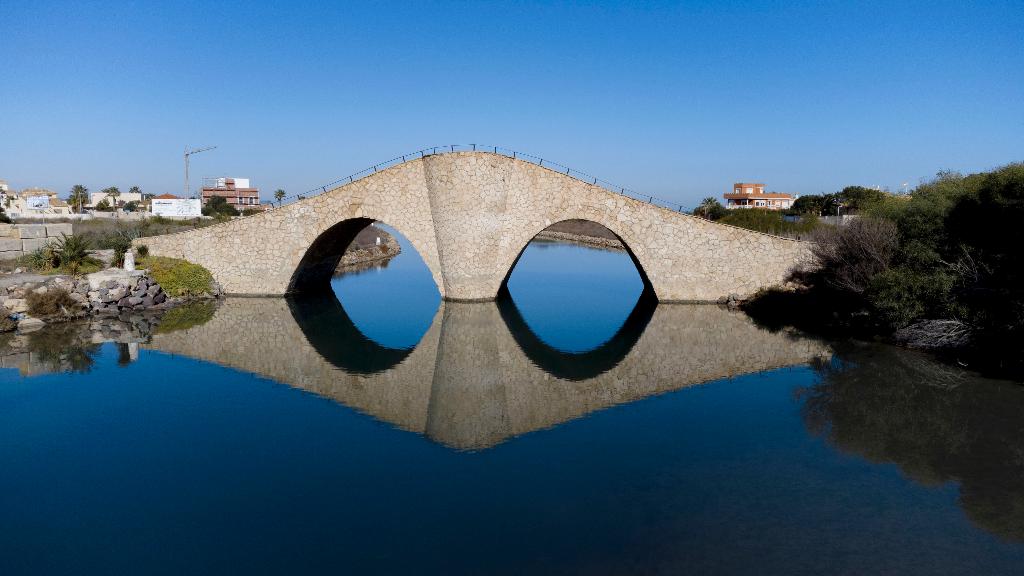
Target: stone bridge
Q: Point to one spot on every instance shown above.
(470, 215)
(479, 376)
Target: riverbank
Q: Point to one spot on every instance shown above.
(30, 300)
(583, 233)
(371, 247)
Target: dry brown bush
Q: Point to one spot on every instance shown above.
(852, 254)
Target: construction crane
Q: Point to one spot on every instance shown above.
(189, 152)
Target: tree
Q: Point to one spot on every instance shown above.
(817, 204)
(710, 208)
(78, 197)
(279, 195)
(135, 190)
(860, 198)
(218, 206)
(113, 192)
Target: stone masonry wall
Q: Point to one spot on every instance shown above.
(16, 240)
(471, 214)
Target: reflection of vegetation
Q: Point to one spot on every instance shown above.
(63, 347)
(184, 317)
(937, 423)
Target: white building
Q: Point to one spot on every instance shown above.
(123, 198)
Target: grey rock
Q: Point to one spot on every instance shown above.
(160, 298)
(148, 301)
(134, 300)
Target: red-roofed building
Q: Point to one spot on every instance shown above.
(752, 195)
(236, 191)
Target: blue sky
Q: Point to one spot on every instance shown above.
(675, 99)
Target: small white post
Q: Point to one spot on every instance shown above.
(129, 260)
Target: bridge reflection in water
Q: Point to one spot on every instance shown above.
(479, 375)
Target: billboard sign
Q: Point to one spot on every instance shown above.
(37, 202)
(178, 207)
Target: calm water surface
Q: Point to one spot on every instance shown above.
(575, 427)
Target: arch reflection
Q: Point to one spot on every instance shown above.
(328, 328)
(469, 383)
(577, 365)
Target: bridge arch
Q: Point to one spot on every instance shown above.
(320, 260)
(532, 235)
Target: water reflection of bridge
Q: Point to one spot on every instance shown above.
(479, 376)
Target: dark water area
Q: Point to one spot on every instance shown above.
(574, 427)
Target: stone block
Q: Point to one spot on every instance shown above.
(55, 230)
(8, 231)
(31, 231)
(33, 244)
(9, 244)
(12, 254)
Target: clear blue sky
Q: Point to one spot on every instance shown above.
(678, 100)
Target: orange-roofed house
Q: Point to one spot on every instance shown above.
(752, 195)
(166, 197)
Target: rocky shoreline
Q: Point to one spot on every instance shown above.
(364, 255)
(581, 239)
(109, 293)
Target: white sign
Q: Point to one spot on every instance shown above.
(37, 202)
(177, 207)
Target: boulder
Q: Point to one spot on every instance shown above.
(134, 300)
(153, 290)
(29, 324)
(116, 275)
(16, 305)
(160, 298)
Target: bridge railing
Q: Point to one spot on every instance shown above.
(451, 148)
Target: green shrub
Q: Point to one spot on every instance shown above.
(53, 302)
(120, 242)
(178, 277)
(41, 259)
(185, 317)
(142, 250)
(72, 252)
(768, 221)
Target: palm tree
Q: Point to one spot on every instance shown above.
(113, 192)
(79, 195)
(279, 195)
(707, 205)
